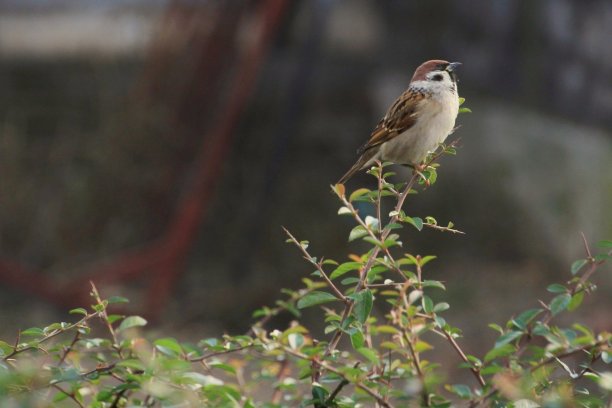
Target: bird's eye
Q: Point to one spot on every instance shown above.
(437, 77)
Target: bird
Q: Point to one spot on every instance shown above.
(417, 122)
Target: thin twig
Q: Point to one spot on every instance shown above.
(445, 229)
(219, 353)
(463, 356)
(76, 338)
(415, 357)
(120, 394)
(379, 398)
(85, 375)
(104, 317)
(282, 373)
(57, 332)
(69, 394)
(318, 265)
(344, 382)
(568, 353)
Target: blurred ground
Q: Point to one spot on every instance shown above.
(104, 105)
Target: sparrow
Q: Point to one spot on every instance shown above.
(417, 122)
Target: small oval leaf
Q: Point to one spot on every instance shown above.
(131, 321)
(315, 298)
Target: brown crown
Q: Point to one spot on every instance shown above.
(427, 67)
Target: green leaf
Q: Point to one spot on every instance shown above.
(522, 320)
(440, 307)
(113, 318)
(606, 357)
(132, 363)
(501, 351)
(577, 265)
(440, 322)
(315, 298)
(496, 327)
(559, 303)
(421, 346)
(433, 284)
(556, 288)
(492, 369)
(344, 268)
(602, 257)
(540, 329)
(60, 396)
(584, 330)
(118, 299)
(131, 321)
(605, 244)
(426, 259)
(98, 307)
(104, 395)
(369, 354)
(357, 232)
(575, 302)
(461, 101)
(428, 304)
(462, 391)
(296, 340)
(222, 366)
(363, 305)
(507, 338)
(5, 349)
(168, 346)
(349, 281)
(319, 395)
(417, 222)
(357, 339)
(465, 110)
(78, 310)
(387, 329)
(52, 327)
(474, 360)
(358, 193)
(430, 174)
(33, 331)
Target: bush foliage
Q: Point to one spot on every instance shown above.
(380, 319)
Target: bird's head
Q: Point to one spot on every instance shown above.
(437, 71)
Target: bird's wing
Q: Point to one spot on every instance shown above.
(401, 116)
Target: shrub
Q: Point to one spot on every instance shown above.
(379, 321)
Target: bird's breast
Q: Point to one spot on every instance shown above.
(435, 121)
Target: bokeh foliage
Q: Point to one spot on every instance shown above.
(379, 318)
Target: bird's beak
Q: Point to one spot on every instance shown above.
(453, 66)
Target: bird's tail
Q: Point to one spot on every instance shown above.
(363, 161)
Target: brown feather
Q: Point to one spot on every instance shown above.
(401, 116)
(426, 67)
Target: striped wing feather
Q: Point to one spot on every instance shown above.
(401, 116)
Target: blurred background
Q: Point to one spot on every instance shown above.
(156, 148)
